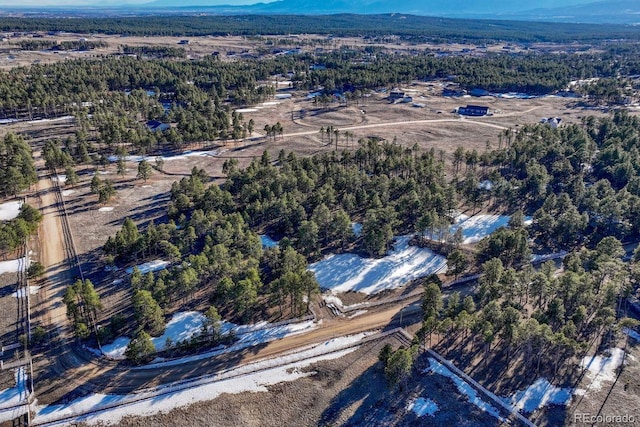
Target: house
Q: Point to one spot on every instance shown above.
(554, 122)
(473, 110)
(156, 126)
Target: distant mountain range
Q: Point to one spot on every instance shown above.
(615, 11)
(576, 11)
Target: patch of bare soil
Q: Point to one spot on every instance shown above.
(349, 391)
(619, 398)
(8, 309)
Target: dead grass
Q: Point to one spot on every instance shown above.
(348, 391)
(619, 398)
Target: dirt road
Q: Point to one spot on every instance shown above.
(62, 366)
(404, 123)
(53, 257)
(119, 378)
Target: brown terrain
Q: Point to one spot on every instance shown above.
(64, 371)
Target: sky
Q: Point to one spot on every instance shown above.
(49, 3)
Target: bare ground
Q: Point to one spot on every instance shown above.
(349, 391)
(8, 309)
(618, 398)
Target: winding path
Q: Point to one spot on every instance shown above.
(405, 123)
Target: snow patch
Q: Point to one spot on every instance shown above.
(249, 336)
(602, 369)
(540, 394)
(116, 349)
(463, 388)
(59, 119)
(106, 209)
(246, 110)
(358, 313)
(350, 272)
(237, 380)
(14, 396)
(357, 228)
(541, 258)
(117, 282)
(183, 156)
(486, 185)
(422, 407)
(268, 242)
(333, 299)
(14, 265)
(153, 266)
(68, 192)
(478, 227)
(22, 292)
(182, 327)
(62, 179)
(185, 325)
(10, 210)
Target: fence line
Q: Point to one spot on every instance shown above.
(508, 407)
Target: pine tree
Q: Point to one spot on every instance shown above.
(148, 313)
(144, 170)
(140, 348)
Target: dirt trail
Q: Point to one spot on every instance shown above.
(112, 377)
(405, 123)
(128, 380)
(53, 257)
(339, 328)
(71, 368)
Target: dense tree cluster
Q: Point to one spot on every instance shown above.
(215, 252)
(83, 304)
(17, 169)
(397, 364)
(15, 232)
(154, 51)
(313, 201)
(39, 44)
(416, 28)
(580, 182)
(535, 74)
(111, 97)
(539, 317)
